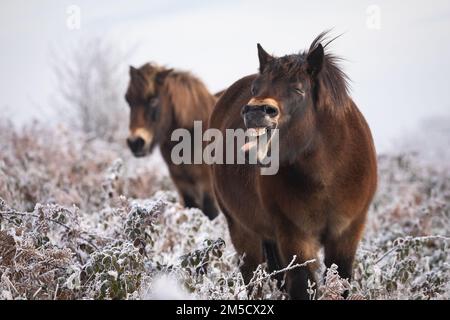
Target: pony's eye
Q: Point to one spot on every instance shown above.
(299, 90)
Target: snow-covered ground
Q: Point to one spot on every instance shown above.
(81, 218)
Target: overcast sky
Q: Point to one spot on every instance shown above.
(397, 52)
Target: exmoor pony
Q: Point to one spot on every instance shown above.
(162, 100)
(327, 166)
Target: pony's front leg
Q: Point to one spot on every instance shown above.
(341, 249)
(304, 248)
(247, 244)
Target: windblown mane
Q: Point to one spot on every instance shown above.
(184, 96)
(331, 90)
(332, 79)
(142, 85)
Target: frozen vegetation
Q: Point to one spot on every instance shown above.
(80, 218)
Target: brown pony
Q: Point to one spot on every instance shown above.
(327, 166)
(162, 100)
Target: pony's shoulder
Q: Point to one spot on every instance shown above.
(238, 88)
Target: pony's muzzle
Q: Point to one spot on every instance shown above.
(140, 141)
(259, 116)
(267, 109)
(259, 120)
(136, 145)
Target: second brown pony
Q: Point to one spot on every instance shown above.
(162, 100)
(327, 166)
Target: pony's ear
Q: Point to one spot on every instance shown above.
(162, 75)
(263, 57)
(134, 72)
(315, 60)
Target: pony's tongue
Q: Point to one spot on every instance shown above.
(253, 132)
(249, 145)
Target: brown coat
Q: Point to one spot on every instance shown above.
(162, 100)
(327, 175)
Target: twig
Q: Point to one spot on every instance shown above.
(37, 292)
(289, 267)
(10, 284)
(56, 291)
(29, 214)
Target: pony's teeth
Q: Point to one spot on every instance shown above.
(260, 131)
(251, 132)
(256, 132)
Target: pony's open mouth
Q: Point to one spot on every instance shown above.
(258, 139)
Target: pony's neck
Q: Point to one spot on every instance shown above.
(327, 133)
(189, 99)
(184, 99)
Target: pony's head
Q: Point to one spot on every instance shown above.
(145, 106)
(289, 91)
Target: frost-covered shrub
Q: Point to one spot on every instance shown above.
(140, 223)
(80, 218)
(55, 165)
(115, 271)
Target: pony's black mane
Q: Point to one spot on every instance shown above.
(332, 80)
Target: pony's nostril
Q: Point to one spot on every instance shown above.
(271, 111)
(245, 109)
(139, 143)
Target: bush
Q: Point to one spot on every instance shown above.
(81, 219)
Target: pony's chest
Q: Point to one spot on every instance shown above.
(296, 197)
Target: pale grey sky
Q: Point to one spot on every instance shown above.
(399, 72)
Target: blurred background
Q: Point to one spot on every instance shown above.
(57, 54)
